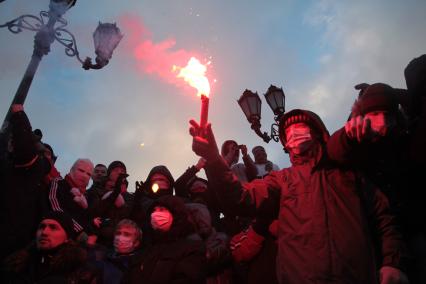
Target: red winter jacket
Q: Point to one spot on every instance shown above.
(329, 219)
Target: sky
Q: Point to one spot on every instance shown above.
(317, 51)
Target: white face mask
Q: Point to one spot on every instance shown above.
(298, 138)
(123, 244)
(161, 220)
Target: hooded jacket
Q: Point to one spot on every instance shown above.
(174, 256)
(329, 218)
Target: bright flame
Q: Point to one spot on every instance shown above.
(155, 188)
(195, 74)
(141, 145)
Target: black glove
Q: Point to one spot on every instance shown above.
(203, 142)
(140, 189)
(119, 182)
(267, 212)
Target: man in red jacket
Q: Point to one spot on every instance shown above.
(328, 218)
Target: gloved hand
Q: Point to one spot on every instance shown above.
(203, 142)
(140, 189)
(119, 182)
(246, 245)
(392, 275)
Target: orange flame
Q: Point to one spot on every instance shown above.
(195, 74)
(155, 188)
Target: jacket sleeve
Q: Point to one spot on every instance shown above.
(182, 181)
(384, 227)
(342, 150)
(24, 146)
(251, 170)
(57, 202)
(236, 198)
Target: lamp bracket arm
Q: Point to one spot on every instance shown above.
(24, 22)
(67, 39)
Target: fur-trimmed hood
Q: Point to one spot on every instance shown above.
(64, 260)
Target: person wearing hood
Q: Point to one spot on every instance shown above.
(159, 182)
(328, 217)
(176, 255)
(379, 141)
(55, 257)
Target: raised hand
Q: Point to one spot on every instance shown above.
(359, 128)
(203, 142)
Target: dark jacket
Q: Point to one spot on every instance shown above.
(106, 209)
(61, 199)
(328, 218)
(21, 182)
(175, 256)
(66, 264)
(114, 266)
(390, 164)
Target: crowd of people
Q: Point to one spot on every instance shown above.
(349, 209)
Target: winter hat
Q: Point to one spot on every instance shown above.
(303, 116)
(415, 73)
(115, 164)
(376, 97)
(64, 220)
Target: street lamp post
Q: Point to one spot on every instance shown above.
(251, 104)
(50, 27)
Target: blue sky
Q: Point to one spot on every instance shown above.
(316, 50)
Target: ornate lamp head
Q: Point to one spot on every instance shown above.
(275, 98)
(106, 38)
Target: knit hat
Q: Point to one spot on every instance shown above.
(376, 97)
(115, 164)
(303, 116)
(64, 220)
(415, 73)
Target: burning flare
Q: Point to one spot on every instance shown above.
(195, 74)
(155, 188)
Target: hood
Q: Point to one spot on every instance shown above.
(305, 116)
(164, 171)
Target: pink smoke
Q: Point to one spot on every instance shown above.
(154, 58)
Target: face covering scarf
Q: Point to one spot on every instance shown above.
(161, 220)
(298, 139)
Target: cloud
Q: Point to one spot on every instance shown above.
(369, 44)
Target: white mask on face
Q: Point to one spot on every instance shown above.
(161, 220)
(123, 244)
(298, 139)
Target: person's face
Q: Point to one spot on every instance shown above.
(298, 137)
(198, 186)
(380, 122)
(260, 155)
(160, 179)
(50, 235)
(125, 239)
(99, 173)
(233, 153)
(81, 174)
(115, 173)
